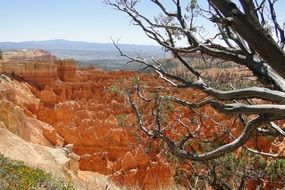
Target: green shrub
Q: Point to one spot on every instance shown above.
(15, 175)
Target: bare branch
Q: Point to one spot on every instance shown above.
(277, 128)
(265, 153)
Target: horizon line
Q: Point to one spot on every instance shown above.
(67, 40)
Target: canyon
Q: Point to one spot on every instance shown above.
(51, 105)
(47, 102)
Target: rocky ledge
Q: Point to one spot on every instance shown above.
(37, 67)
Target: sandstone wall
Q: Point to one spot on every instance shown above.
(37, 67)
(66, 70)
(40, 73)
(12, 116)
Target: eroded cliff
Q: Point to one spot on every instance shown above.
(84, 107)
(50, 103)
(36, 67)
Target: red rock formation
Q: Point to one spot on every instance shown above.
(17, 105)
(13, 118)
(37, 73)
(48, 97)
(50, 134)
(82, 108)
(11, 114)
(66, 70)
(37, 67)
(84, 114)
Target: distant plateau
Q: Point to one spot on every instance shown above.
(101, 55)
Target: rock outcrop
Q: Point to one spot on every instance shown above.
(37, 73)
(27, 55)
(25, 138)
(66, 70)
(87, 115)
(12, 116)
(84, 107)
(13, 119)
(61, 105)
(37, 67)
(53, 160)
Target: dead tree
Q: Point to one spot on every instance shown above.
(247, 33)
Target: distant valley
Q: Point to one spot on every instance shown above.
(102, 55)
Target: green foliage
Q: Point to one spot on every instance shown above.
(135, 80)
(258, 167)
(260, 161)
(113, 89)
(230, 169)
(117, 87)
(122, 119)
(276, 169)
(14, 175)
(167, 105)
(232, 162)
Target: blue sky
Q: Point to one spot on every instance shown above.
(80, 20)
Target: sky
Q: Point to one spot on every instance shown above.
(78, 20)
